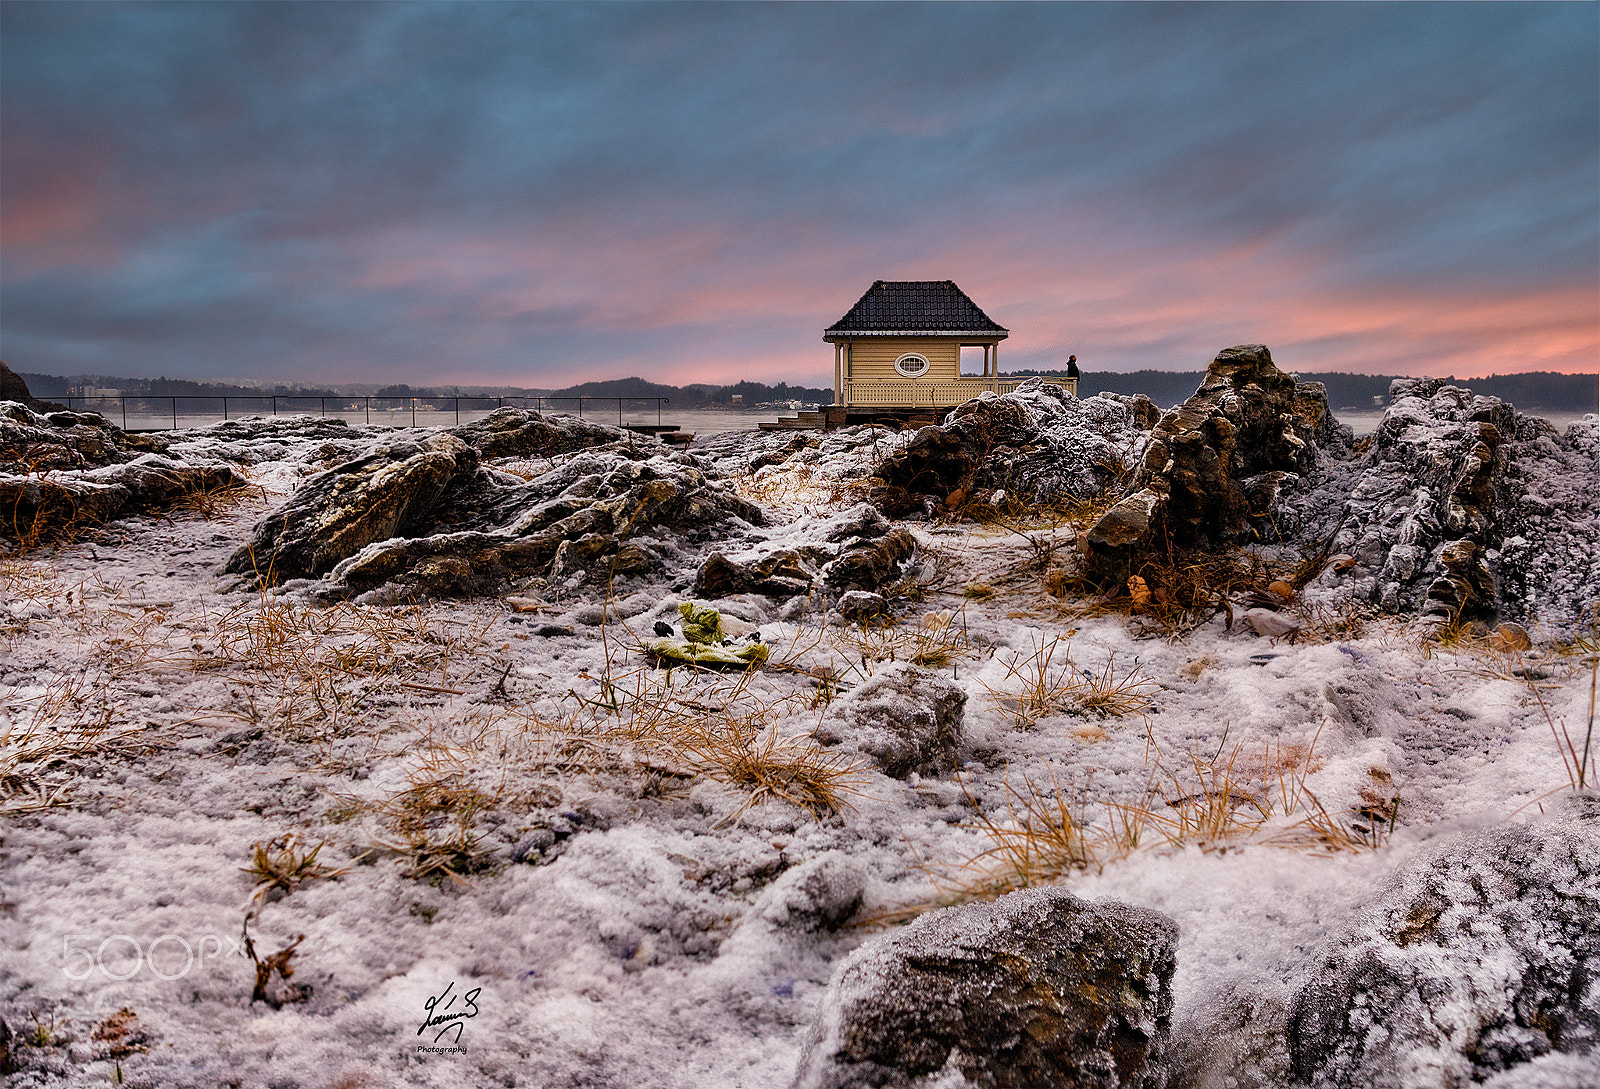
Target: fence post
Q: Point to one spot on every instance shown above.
(124, 400)
(458, 410)
(367, 408)
(323, 405)
(174, 414)
(224, 410)
(274, 406)
(413, 412)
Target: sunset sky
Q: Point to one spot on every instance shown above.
(536, 194)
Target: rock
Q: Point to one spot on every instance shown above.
(424, 519)
(789, 572)
(13, 388)
(1036, 989)
(8, 1061)
(1463, 509)
(1272, 624)
(1039, 443)
(1479, 958)
(1510, 637)
(521, 433)
(862, 606)
(67, 471)
(781, 574)
(907, 719)
(871, 564)
(820, 894)
(1214, 466)
(337, 513)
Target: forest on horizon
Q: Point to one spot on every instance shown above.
(1547, 390)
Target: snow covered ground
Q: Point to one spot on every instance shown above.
(550, 862)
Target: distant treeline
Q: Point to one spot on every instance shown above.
(693, 396)
(1546, 390)
(1531, 390)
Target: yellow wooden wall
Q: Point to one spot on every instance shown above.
(873, 357)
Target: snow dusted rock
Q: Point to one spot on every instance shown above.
(860, 606)
(515, 432)
(383, 494)
(869, 565)
(1036, 989)
(1271, 623)
(602, 514)
(855, 549)
(908, 719)
(1481, 958)
(1214, 466)
(1038, 442)
(65, 469)
(1465, 508)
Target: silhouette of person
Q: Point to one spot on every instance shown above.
(1072, 366)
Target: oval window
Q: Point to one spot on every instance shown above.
(912, 365)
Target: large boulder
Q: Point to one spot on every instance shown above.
(13, 388)
(906, 719)
(66, 471)
(522, 433)
(1463, 508)
(388, 491)
(599, 515)
(1038, 443)
(1035, 990)
(1480, 958)
(1214, 466)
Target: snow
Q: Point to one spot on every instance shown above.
(666, 928)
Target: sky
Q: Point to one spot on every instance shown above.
(542, 194)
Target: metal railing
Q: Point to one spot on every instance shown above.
(270, 404)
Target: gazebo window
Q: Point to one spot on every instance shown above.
(912, 365)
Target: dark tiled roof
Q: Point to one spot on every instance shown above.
(915, 306)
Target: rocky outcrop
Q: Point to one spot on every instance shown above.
(907, 720)
(388, 491)
(1036, 989)
(1479, 959)
(1463, 508)
(855, 550)
(1039, 443)
(13, 388)
(423, 512)
(602, 515)
(1213, 468)
(522, 433)
(66, 471)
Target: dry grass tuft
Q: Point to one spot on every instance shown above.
(1046, 681)
(284, 864)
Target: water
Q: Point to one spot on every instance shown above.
(1366, 422)
(698, 421)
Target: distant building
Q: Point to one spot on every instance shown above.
(897, 357)
(900, 347)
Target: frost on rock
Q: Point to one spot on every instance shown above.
(1479, 959)
(907, 719)
(1215, 467)
(1039, 442)
(855, 550)
(1037, 988)
(66, 470)
(1463, 508)
(426, 517)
